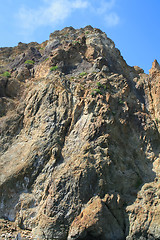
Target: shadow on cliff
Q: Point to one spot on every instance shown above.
(132, 148)
(143, 144)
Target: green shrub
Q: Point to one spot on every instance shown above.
(99, 84)
(46, 59)
(31, 62)
(82, 74)
(95, 92)
(121, 101)
(74, 42)
(6, 74)
(54, 68)
(87, 32)
(98, 91)
(157, 120)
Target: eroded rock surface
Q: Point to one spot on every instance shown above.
(79, 140)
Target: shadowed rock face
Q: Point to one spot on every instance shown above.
(79, 140)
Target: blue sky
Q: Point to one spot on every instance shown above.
(132, 24)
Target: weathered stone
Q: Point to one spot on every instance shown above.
(51, 45)
(79, 142)
(23, 73)
(3, 84)
(13, 88)
(96, 221)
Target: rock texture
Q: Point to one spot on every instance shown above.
(79, 141)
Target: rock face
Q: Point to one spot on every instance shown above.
(79, 140)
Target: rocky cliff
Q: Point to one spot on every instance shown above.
(79, 141)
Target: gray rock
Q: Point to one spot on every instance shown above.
(79, 152)
(51, 45)
(18, 237)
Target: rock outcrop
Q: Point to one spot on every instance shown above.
(79, 141)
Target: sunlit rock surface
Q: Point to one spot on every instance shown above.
(79, 141)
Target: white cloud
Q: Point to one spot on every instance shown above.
(105, 6)
(112, 19)
(54, 12)
(80, 4)
(106, 10)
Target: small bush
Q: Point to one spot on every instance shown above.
(6, 74)
(54, 68)
(99, 84)
(74, 42)
(95, 92)
(157, 120)
(31, 62)
(98, 91)
(46, 59)
(87, 32)
(121, 101)
(82, 74)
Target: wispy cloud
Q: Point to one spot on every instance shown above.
(106, 10)
(54, 12)
(105, 6)
(112, 19)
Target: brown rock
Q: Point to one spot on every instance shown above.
(23, 73)
(96, 221)
(13, 88)
(138, 69)
(79, 143)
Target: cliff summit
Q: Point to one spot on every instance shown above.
(79, 141)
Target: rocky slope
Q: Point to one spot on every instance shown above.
(79, 141)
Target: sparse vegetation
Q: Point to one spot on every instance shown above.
(96, 91)
(87, 32)
(82, 74)
(71, 78)
(30, 62)
(99, 90)
(157, 120)
(99, 84)
(53, 68)
(6, 74)
(74, 42)
(121, 101)
(46, 59)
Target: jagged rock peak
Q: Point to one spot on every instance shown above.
(155, 64)
(155, 68)
(79, 141)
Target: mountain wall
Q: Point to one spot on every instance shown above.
(79, 141)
